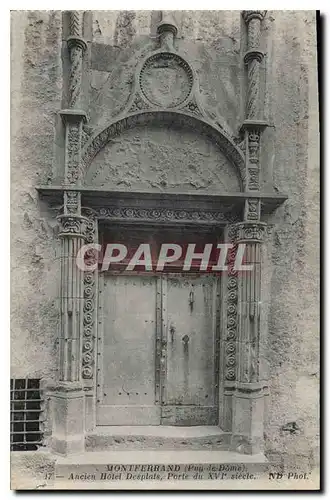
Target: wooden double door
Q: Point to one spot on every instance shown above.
(158, 350)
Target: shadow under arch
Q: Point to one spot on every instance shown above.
(172, 118)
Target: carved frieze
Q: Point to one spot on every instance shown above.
(166, 215)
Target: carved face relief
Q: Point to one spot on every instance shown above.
(166, 80)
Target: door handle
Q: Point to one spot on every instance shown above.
(172, 332)
(185, 340)
(191, 300)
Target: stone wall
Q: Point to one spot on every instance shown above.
(214, 43)
(36, 81)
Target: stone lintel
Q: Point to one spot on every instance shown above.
(102, 197)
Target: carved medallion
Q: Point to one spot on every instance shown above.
(166, 80)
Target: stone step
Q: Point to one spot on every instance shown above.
(157, 437)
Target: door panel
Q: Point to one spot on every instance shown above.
(158, 337)
(190, 374)
(127, 376)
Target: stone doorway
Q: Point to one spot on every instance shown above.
(158, 354)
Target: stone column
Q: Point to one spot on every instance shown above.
(68, 397)
(253, 124)
(248, 387)
(167, 30)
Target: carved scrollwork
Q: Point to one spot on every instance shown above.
(89, 308)
(232, 297)
(165, 215)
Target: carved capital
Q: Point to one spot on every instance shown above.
(253, 14)
(75, 41)
(250, 55)
(73, 115)
(249, 232)
(72, 226)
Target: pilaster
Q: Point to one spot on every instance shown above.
(253, 124)
(68, 397)
(246, 393)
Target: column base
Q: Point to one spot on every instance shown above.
(68, 411)
(247, 402)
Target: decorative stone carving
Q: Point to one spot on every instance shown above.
(165, 215)
(252, 210)
(76, 23)
(250, 232)
(232, 298)
(138, 104)
(253, 58)
(225, 143)
(253, 89)
(73, 152)
(254, 140)
(248, 15)
(90, 287)
(76, 46)
(71, 202)
(72, 225)
(166, 80)
(192, 107)
(167, 30)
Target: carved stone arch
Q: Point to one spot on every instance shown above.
(172, 118)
